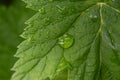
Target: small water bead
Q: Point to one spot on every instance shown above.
(93, 17)
(66, 41)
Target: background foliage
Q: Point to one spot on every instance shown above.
(13, 14)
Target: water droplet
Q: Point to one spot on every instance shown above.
(66, 41)
(93, 17)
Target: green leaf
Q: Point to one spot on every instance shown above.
(12, 20)
(81, 36)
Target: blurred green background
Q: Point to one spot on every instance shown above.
(13, 14)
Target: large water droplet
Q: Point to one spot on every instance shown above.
(66, 41)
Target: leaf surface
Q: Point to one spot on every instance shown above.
(81, 36)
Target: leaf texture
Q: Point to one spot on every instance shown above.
(94, 54)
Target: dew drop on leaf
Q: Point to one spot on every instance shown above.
(66, 41)
(93, 17)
